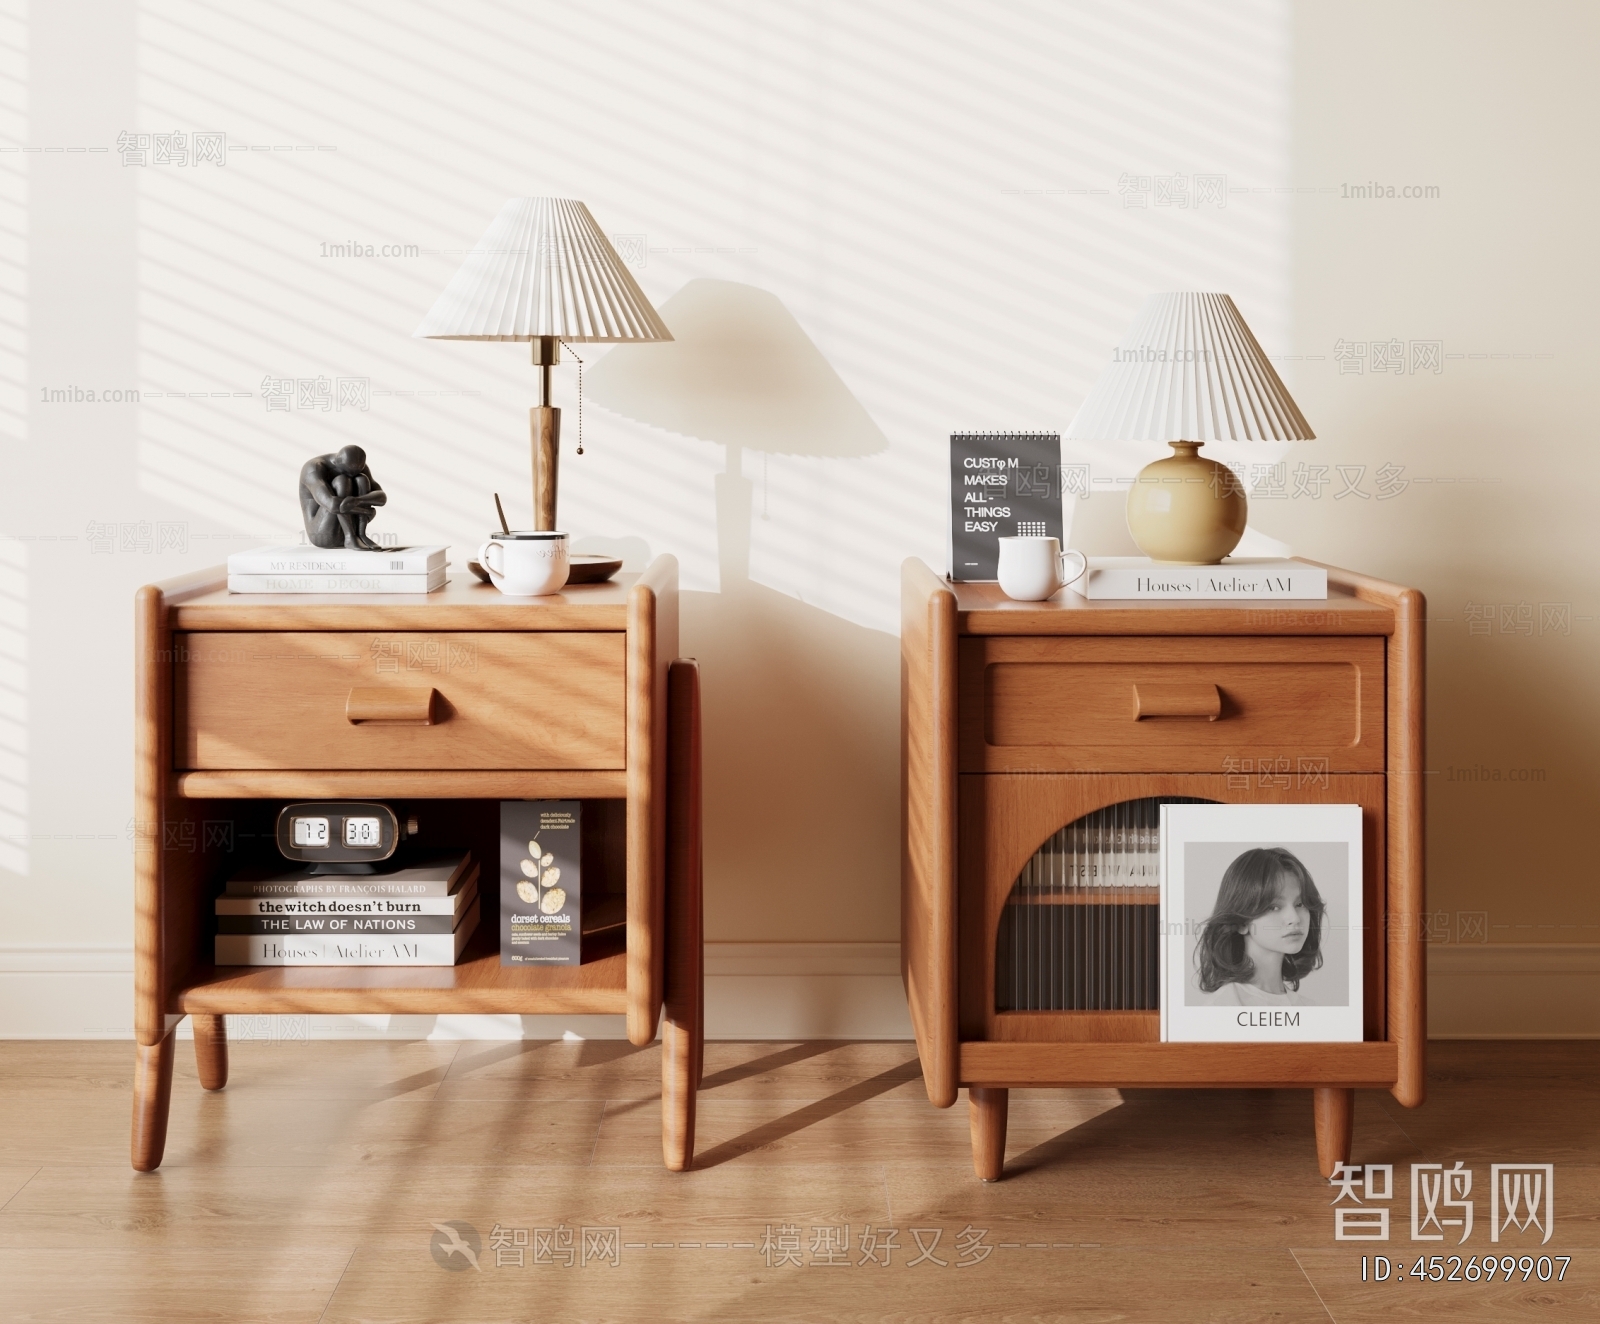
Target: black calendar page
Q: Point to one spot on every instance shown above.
(1002, 484)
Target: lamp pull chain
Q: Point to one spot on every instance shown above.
(580, 396)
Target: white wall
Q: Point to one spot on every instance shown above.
(1489, 103)
(932, 192)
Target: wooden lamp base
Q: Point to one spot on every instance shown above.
(545, 424)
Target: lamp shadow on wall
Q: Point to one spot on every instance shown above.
(800, 705)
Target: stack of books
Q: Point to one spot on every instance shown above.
(419, 915)
(305, 569)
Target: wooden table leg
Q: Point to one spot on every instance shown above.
(678, 1088)
(986, 1109)
(700, 1020)
(1334, 1111)
(152, 1096)
(211, 1050)
(683, 1015)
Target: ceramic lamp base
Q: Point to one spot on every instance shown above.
(1187, 509)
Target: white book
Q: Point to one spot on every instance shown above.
(384, 583)
(438, 876)
(339, 949)
(1264, 578)
(1161, 932)
(302, 559)
(278, 907)
(1292, 875)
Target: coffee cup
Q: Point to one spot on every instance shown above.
(1033, 569)
(526, 565)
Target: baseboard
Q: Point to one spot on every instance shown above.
(792, 990)
(66, 993)
(1514, 991)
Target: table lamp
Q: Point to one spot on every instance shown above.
(1188, 372)
(543, 272)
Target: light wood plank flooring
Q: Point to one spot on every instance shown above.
(311, 1189)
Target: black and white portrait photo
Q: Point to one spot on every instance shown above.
(1266, 924)
(1262, 922)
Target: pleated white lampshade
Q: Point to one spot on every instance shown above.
(543, 268)
(1189, 370)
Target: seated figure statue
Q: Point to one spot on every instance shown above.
(339, 496)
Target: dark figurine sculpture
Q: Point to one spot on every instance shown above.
(339, 496)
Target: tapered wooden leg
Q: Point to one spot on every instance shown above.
(152, 1095)
(1335, 1112)
(211, 1050)
(683, 1018)
(986, 1109)
(678, 1088)
(700, 1029)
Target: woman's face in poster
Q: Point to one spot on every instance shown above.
(1283, 929)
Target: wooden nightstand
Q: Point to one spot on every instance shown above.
(1020, 718)
(246, 701)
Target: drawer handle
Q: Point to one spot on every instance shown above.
(392, 707)
(1196, 702)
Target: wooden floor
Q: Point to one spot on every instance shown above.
(309, 1190)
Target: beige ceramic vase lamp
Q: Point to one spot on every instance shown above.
(1188, 372)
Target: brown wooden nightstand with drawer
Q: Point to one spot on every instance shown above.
(1021, 720)
(448, 702)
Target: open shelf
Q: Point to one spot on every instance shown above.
(477, 984)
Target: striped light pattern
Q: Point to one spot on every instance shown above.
(1189, 370)
(543, 268)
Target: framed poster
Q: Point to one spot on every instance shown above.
(1261, 923)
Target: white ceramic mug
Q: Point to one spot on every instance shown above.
(1032, 569)
(526, 565)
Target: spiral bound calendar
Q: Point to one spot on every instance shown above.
(1002, 484)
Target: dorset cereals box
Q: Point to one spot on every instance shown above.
(540, 888)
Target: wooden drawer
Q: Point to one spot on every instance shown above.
(1172, 704)
(330, 700)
